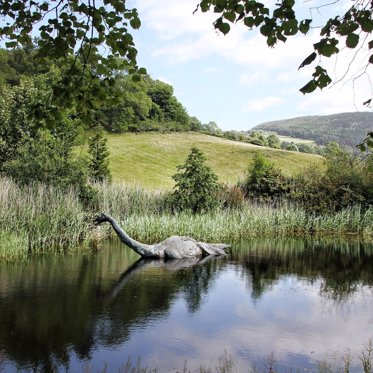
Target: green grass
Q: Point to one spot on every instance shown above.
(295, 140)
(150, 159)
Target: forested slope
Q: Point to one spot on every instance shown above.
(348, 129)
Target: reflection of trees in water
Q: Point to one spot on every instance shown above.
(341, 266)
(53, 310)
(51, 307)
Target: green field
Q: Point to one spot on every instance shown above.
(295, 140)
(150, 159)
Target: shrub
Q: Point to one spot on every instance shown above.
(196, 187)
(98, 158)
(264, 181)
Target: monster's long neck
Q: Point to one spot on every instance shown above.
(140, 248)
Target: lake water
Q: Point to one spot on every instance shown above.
(290, 304)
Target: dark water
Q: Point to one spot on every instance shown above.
(293, 302)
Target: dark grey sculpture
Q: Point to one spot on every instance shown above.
(175, 247)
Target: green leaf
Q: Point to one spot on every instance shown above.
(205, 5)
(224, 28)
(304, 26)
(11, 44)
(347, 28)
(271, 41)
(142, 71)
(309, 87)
(352, 40)
(290, 27)
(265, 30)
(135, 23)
(308, 60)
(249, 22)
(230, 16)
(367, 25)
(327, 47)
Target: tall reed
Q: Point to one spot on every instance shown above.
(39, 218)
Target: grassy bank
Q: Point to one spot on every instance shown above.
(150, 159)
(39, 218)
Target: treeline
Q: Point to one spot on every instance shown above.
(347, 129)
(141, 105)
(272, 141)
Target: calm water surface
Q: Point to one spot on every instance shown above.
(293, 302)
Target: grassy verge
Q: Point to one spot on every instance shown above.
(39, 218)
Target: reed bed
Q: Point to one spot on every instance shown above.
(251, 222)
(39, 218)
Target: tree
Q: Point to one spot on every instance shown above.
(73, 34)
(264, 181)
(48, 159)
(16, 118)
(196, 187)
(273, 141)
(98, 158)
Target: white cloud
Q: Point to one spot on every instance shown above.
(171, 20)
(262, 103)
(252, 78)
(213, 70)
(176, 41)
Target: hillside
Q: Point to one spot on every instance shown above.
(150, 159)
(347, 129)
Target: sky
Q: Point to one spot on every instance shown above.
(236, 80)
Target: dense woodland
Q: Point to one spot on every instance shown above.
(347, 129)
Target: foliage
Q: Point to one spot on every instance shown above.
(73, 34)
(291, 147)
(280, 21)
(264, 182)
(196, 187)
(16, 118)
(233, 197)
(256, 138)
(48, 159)
(346, 180)
(98, 158)
(211, 128)
(273, 141)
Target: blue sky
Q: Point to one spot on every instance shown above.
(236, 80)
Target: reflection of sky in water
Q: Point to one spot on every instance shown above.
(107, 307)
(290, 319)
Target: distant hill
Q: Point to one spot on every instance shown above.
(348, 129)
(150, 159)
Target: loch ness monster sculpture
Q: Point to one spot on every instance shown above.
(174, 247)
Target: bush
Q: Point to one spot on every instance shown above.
(98, 158)
(264, 181)
(233, 197)
(197, 187)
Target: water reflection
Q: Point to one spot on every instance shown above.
(294, 298)
(342, 266)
